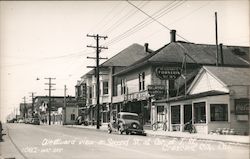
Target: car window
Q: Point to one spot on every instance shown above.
(131, 117)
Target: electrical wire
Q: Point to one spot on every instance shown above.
(155, 19)
(120, 21)
(144, 22)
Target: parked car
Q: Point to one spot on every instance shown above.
(128, 123)
(35, 121)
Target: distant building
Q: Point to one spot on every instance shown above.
(41, 107)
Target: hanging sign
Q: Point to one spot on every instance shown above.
(156, 89)
(168, 73)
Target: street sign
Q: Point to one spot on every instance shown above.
(168, 73)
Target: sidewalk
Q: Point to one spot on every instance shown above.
(236, 139)
(7, 148)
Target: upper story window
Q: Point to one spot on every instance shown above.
(105, 87)
(141, 81)
(90, 92)
(93, 90)
(123, 86)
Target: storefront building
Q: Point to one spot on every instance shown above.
(217, 99)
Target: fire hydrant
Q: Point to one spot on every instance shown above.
(1, 134)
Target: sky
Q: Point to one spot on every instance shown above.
(41, 39)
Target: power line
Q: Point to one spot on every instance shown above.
(105, 18)
(76, 55)
(145, 22)
(155, 20)
(137, 27)
(120, 21)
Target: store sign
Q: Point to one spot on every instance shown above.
(242, 106)
(168, 73)
(137, 96)
(156, 89)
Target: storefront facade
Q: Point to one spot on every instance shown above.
(212, 104)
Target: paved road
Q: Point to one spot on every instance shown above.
(49, 142)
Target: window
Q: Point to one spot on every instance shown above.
(175, 114)
(90, 92)
(200, 112)
(142, 81)
(93, 91)
(123, 86)
(219, 112)
(160, 113)
(72, 117)
(105, 87)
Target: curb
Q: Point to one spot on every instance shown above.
(200, 139)
(78, 127)
(168, 136)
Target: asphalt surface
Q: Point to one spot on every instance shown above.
(59, 142)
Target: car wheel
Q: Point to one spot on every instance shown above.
(127, 132)
(120, 131)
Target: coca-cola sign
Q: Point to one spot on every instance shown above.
(168, 73)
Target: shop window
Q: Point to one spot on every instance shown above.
(72, 117)
(123, 86)
(105, 87)
(200, 112)
(142, 81)
(219, 112)
(175, 114)
(160, 113)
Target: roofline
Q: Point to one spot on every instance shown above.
(193, 96)
(137, 65)
(54, 96)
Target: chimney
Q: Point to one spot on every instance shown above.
(221, 55)
(146, 47)
(173, 36)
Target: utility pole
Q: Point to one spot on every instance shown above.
(98, 49)
(216, 40)
(50, 89)
(65, 104)
(32, 96)
(25, 109)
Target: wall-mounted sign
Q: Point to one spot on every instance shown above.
(137, 96)
(168, 73)
(242, 106)
(156, 89)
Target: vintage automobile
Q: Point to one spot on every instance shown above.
(126, 122)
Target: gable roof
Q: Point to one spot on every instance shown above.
(127, 56)
(231, 76)
(201, 54)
